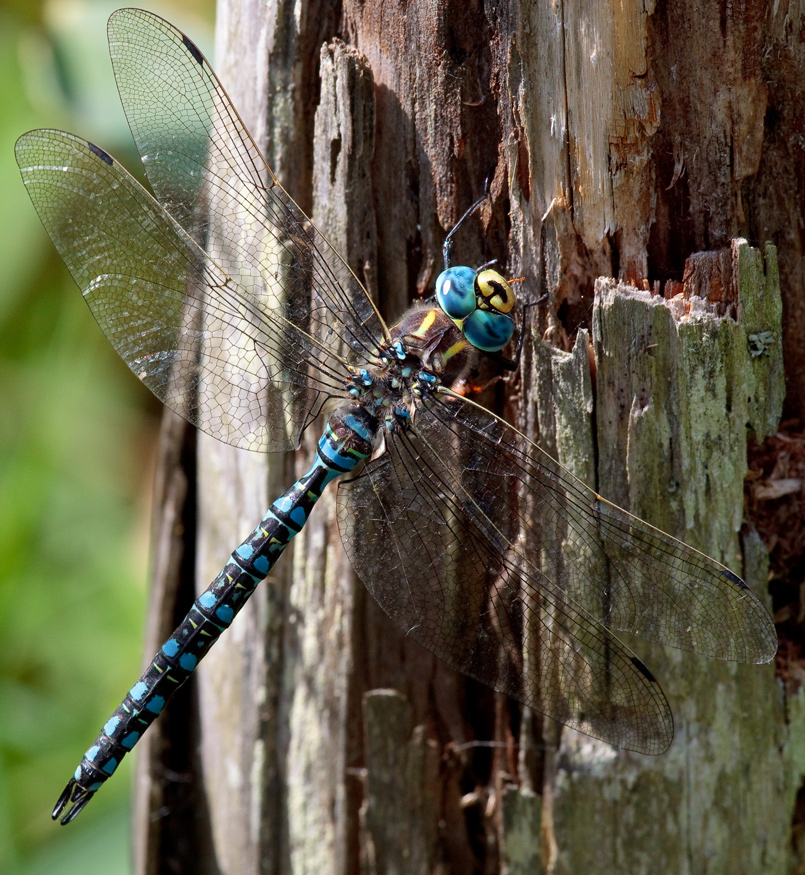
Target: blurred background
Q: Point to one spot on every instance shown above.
(77, 442)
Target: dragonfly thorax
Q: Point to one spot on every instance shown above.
(426, 350)
(435, 344)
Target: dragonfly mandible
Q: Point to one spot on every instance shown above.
(224, 299)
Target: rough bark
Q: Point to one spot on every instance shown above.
(628, 145)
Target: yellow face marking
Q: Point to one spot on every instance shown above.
(427, 321)
(495, 292)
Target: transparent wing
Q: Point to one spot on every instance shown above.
(207, 172)
(629, 575)
(226, 359)
(491, 555)
(462, 588)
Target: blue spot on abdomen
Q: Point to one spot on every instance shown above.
(130, 740)
(283, 504)
(187, 661)
(138, 691)
(262, 565)
(225, 614)
(245, 551)
(206, 600)
(156, 705)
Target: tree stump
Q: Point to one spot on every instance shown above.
(628, 147)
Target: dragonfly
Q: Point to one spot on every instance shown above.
(225, 300)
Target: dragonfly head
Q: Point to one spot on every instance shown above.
(479, 303)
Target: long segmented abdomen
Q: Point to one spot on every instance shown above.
(347, 440)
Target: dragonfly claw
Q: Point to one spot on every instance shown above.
(77, 795)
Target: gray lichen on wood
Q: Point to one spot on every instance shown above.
(675, 397)
(565, 404)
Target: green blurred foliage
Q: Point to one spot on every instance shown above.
(76, 433)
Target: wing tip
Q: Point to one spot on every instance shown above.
(761, 640)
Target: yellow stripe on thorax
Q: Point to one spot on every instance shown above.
(424, 326)
(456, 348)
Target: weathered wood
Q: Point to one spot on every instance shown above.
(399, 820)
(625, 142)
(672, 400)
(244, 713)
(318, 706)
(675, 389)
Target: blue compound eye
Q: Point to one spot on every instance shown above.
(455, 291)
(488, 331)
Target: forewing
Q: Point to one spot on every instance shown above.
(426, 551)
(610, 564)
(208, 173)
(212, 351)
